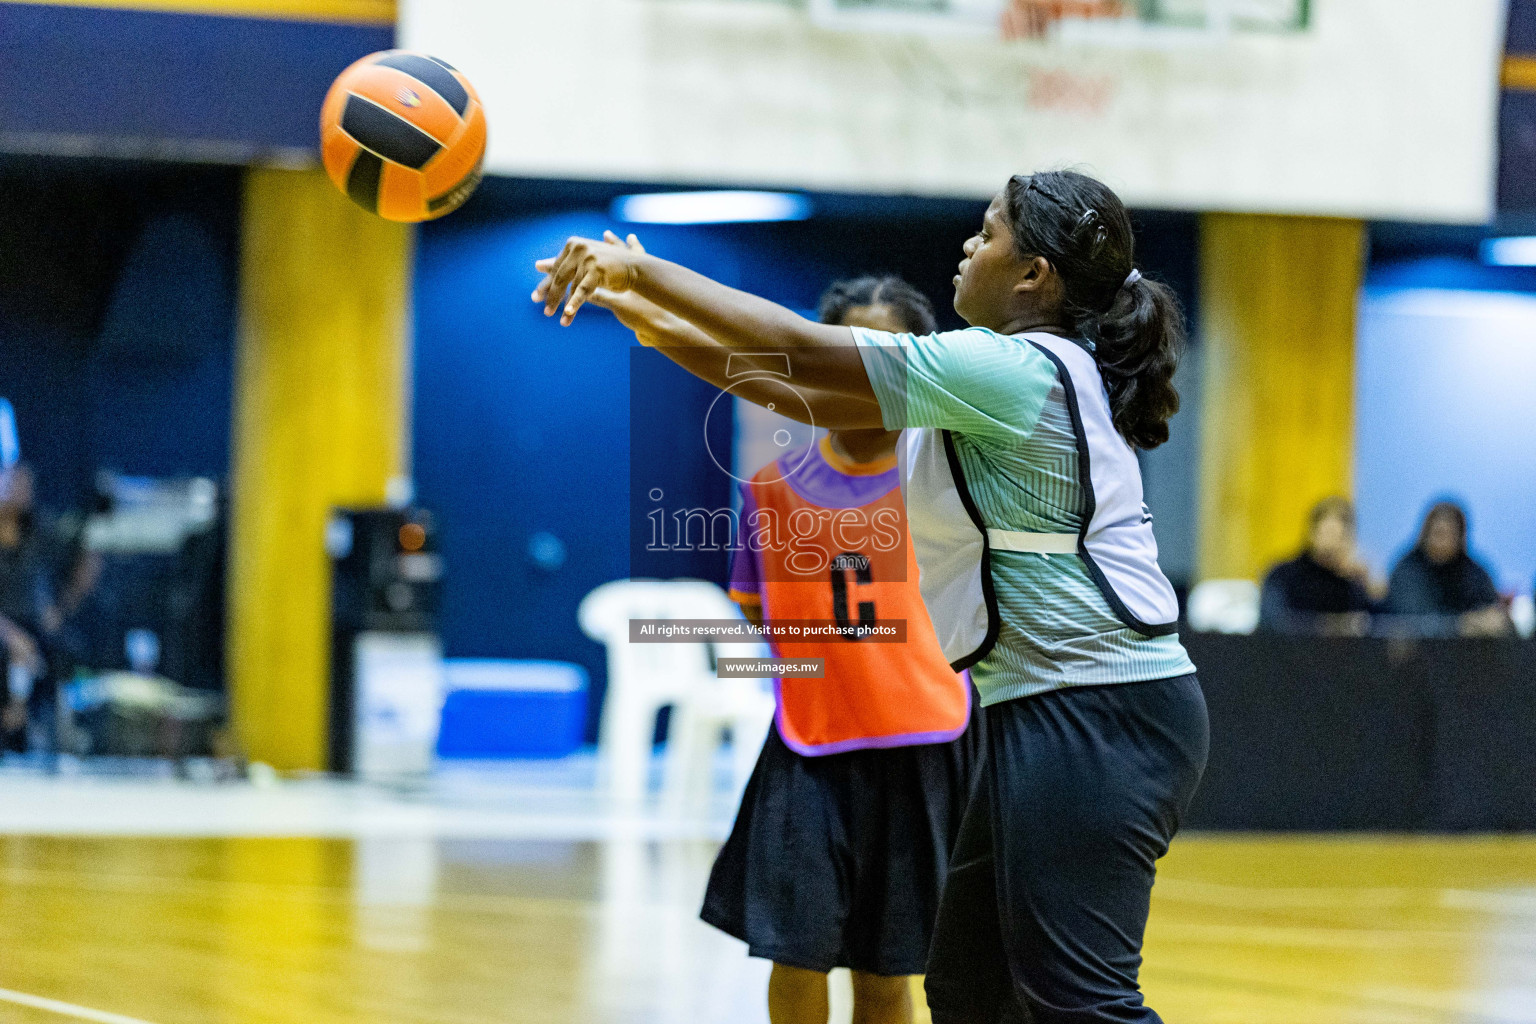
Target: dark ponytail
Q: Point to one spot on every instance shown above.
(1134, 324)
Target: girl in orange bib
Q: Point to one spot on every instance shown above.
(825, 544)
(841, 844)
(842, 841)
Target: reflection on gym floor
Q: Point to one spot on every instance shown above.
(415, 929)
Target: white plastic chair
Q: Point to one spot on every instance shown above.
(1224, 606)
(744, 706)
(643, 678)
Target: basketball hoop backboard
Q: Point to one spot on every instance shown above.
(1235, 15)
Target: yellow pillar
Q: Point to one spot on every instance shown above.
(1277, 305)
(320, 422)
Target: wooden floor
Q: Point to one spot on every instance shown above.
(425, 931)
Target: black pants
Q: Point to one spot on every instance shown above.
(1046, 900)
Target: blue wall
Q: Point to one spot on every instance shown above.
(518, 430)
(117, 330)
(117, 319)
(1445, 390)
(524, 432)
(1167, 247)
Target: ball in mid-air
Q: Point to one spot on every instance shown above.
(403, 134)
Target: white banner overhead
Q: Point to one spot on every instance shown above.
(1361, 108)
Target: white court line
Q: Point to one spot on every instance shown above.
(66, 1009)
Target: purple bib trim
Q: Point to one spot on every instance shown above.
(901, 739)
(821, 484)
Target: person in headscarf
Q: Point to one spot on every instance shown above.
(1438, 578)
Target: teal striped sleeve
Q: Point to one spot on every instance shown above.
(974, 382)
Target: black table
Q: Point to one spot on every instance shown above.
(1328, 734)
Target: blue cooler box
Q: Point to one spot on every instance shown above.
(505, 709)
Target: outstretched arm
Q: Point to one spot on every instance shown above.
(821, 356)
(706, 358)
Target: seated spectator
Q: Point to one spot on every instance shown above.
(20, 646)
(44, 581)
(1326, 589)
(1439, 579)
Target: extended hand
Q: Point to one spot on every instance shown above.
(582, 267)
(651, 324)
(13, 716)
(1490, 621)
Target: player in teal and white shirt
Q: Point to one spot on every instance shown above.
(997, 420)
(1038, 567)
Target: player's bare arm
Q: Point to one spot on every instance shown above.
(823, 356)
(704, 357)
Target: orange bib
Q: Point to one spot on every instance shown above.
(852, 567)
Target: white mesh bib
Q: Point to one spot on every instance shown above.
(953, 544)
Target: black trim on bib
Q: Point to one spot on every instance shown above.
(1085, 468)
(994, 617)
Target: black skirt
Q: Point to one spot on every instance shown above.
(838, 861)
